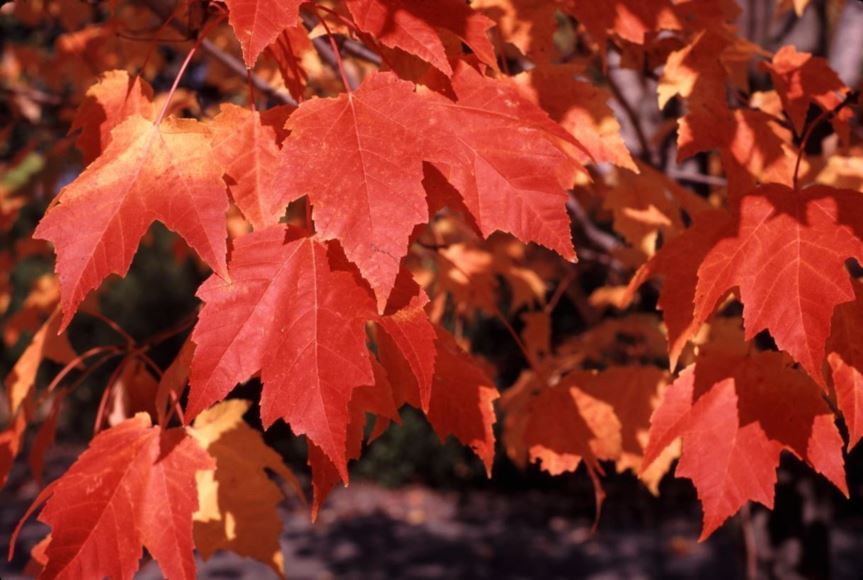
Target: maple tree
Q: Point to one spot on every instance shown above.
(374, 180)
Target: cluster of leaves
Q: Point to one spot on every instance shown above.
(404, 170)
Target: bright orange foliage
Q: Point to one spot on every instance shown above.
(377, 177)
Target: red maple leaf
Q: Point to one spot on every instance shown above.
(247, 148)
(412, 25)
(133, 487)
(257, 23)
(289, 315)
(147, 172)
(783, 250)
(736, 413)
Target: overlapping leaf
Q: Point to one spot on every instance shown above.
(528, 25)
(517, 185)
(785, 252)
(237, 502)
(582, 109)
(289, 315)
(257, 23)
(132, 488)
(106, 105)
(412, 25)
(803, 80)
(462, 400)
(845, 357)
(359, 159)
(148, 172)
(631, 20)
(735, 414)
(375, 399)
(248, 150)
(408, 344)
(47, 343)
(586, 417)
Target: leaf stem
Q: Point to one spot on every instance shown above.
(114, 326)
(112, 350)
(338, 56)
(185, 65)
(341, 18)
(824, 116)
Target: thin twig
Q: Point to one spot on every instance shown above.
(130, 341)
(360, 50)
(188, 59)
(698, 178)
(350, 84)
(599, 238)
(749, 542)
(33, 94)
(646, 150)
(164, 335)
(234, 65)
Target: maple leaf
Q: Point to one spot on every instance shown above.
(588, 416)
(536, 333)
(648, 203)
(44, 438)
(528, 25)
(633, 337)
(378, 136)
(803, 80)
(517, 186)
(695, 73)
(81, 55)
(257, 23)
(237, 502)
(248, 151)
(785, 252)
(631, 20)
(107, 104)
(846, 361)
(735, 414)
(10, 445)
(375, 399)
(467, 272)
(677, 263)
(582, 109)
(132, 391)
(47, 343)
(359, 160)
(758, 151)
(567, 425)
(288, 51)
(311, 355)
(411, 25)
(128, 490)
(173, 380)
(633, 392)
(147, 172)
(408, 345)
(28, 318)
(462, 400)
